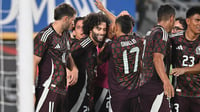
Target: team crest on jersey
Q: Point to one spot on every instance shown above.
(198, 50)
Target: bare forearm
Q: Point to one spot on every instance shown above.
(160, 68)
(72, 63)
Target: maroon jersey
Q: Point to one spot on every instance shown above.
(156, 41)
(124, 54)
(85, 52)
(53, 49)
(186, 54)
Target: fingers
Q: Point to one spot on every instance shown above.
(177, 71)
(169, 91)
(72, 77)
(99, 5)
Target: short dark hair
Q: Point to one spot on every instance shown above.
(126, 23)
(94, 19)
(76, 20)
(62, 10)
(165, 12)
(192, 11)
(182, 22)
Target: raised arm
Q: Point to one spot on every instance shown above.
(106, 11)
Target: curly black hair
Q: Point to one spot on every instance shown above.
(94, 19)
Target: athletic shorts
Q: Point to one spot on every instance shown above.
(186, 104)
(78, 100)
(124, 103)
(102, 100)
(152, 99)
(49, 101)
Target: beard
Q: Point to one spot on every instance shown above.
(97, 37)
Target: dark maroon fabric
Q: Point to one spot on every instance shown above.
(186, 54)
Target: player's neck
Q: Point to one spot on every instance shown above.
(189, 35)
(164, 25)
(58, 28)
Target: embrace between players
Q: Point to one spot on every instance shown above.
(106, 67)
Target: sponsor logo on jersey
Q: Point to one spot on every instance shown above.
(198, 50)
(180, 47)
(57, 46)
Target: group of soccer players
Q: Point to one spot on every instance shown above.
(106, 67)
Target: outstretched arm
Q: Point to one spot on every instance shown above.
(186, 70)
(103, 9)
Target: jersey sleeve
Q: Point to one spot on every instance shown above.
(40, 44)
(82, 46)
(160, 42)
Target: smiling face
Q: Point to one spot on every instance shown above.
(68, 22)
(98, 33)
(193, 23)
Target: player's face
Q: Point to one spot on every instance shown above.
(68, 23)
(171, 23)
(194, 23)
(99, 32)
(178, 27)
(78, 31)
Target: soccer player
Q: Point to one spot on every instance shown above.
(50, 55)
(95, 27)
(179, 25)
(124, 56)
(186, 64)
(155, 85)
(78, 28)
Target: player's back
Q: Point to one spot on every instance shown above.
(126, 53)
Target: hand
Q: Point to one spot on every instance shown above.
(168, 89)
(99, 5)
(178, 71)
(72, 77)
(123, 13)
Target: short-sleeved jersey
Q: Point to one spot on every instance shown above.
(156, 41)
(85, 51)
(124, 54)
(186, 53)
(53, 50)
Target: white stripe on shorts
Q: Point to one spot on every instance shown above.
(79, 102)
(157, 103)
(101, 99)
(46, 89)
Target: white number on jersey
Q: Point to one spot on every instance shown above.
(125, 59)
(188, 58)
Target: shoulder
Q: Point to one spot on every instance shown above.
(179, 34)
(45, 33)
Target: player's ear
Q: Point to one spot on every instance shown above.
(187, 21)
(65, 18)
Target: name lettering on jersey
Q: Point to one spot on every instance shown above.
(180, 47)
(198, 50)
(57, 46)
(128, 43)
(46, 34)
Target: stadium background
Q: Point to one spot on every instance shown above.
(144, 12)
